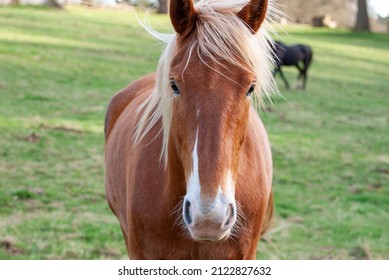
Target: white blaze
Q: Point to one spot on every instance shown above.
(224, 195)
(193, 188)
(230, 186)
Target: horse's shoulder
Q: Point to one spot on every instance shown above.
(124, 97)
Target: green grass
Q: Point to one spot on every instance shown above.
(58, 70)
(331, 156)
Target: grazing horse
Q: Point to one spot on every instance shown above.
(188, 161)
(293, 56)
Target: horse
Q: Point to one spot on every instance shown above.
(295, 55)
(188, 160)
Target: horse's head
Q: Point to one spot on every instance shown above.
(212, 75)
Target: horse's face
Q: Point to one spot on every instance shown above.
(208, 127)
(210, 115)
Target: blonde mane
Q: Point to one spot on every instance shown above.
(219, 33)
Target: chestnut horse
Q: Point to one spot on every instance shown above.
(188, 161)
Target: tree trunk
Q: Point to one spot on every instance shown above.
(362, 22)
(163, 6)
(53, 3)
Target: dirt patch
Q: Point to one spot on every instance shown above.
(8, 243)
(62, 128)
(359, 253)
(375, 187)
(355, 189)
(382, 171)
(32, 138)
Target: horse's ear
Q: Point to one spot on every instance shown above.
(182, 15)
(254, 13)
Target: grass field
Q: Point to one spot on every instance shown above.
(58, 70)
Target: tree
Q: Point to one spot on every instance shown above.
(362, 21)
(162, 9)
(53, 3)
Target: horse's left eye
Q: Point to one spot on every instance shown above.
(251, 90)
(174, 87)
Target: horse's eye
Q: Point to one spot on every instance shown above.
(251, 90)
(174, 87)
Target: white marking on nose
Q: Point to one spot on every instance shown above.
(229, 186)
(215, 209)
(193, 187)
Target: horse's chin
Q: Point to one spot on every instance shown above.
(207, 238)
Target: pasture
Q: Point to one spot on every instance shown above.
(58, 70)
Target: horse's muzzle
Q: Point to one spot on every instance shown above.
(209, 221)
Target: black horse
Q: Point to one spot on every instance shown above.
(293, 55)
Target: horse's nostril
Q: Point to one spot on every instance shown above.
(230, 215)
(230, 210)
(187, 216)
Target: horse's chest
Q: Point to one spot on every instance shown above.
(166, 240)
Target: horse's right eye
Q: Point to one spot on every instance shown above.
(251, 90)
(174, 87)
